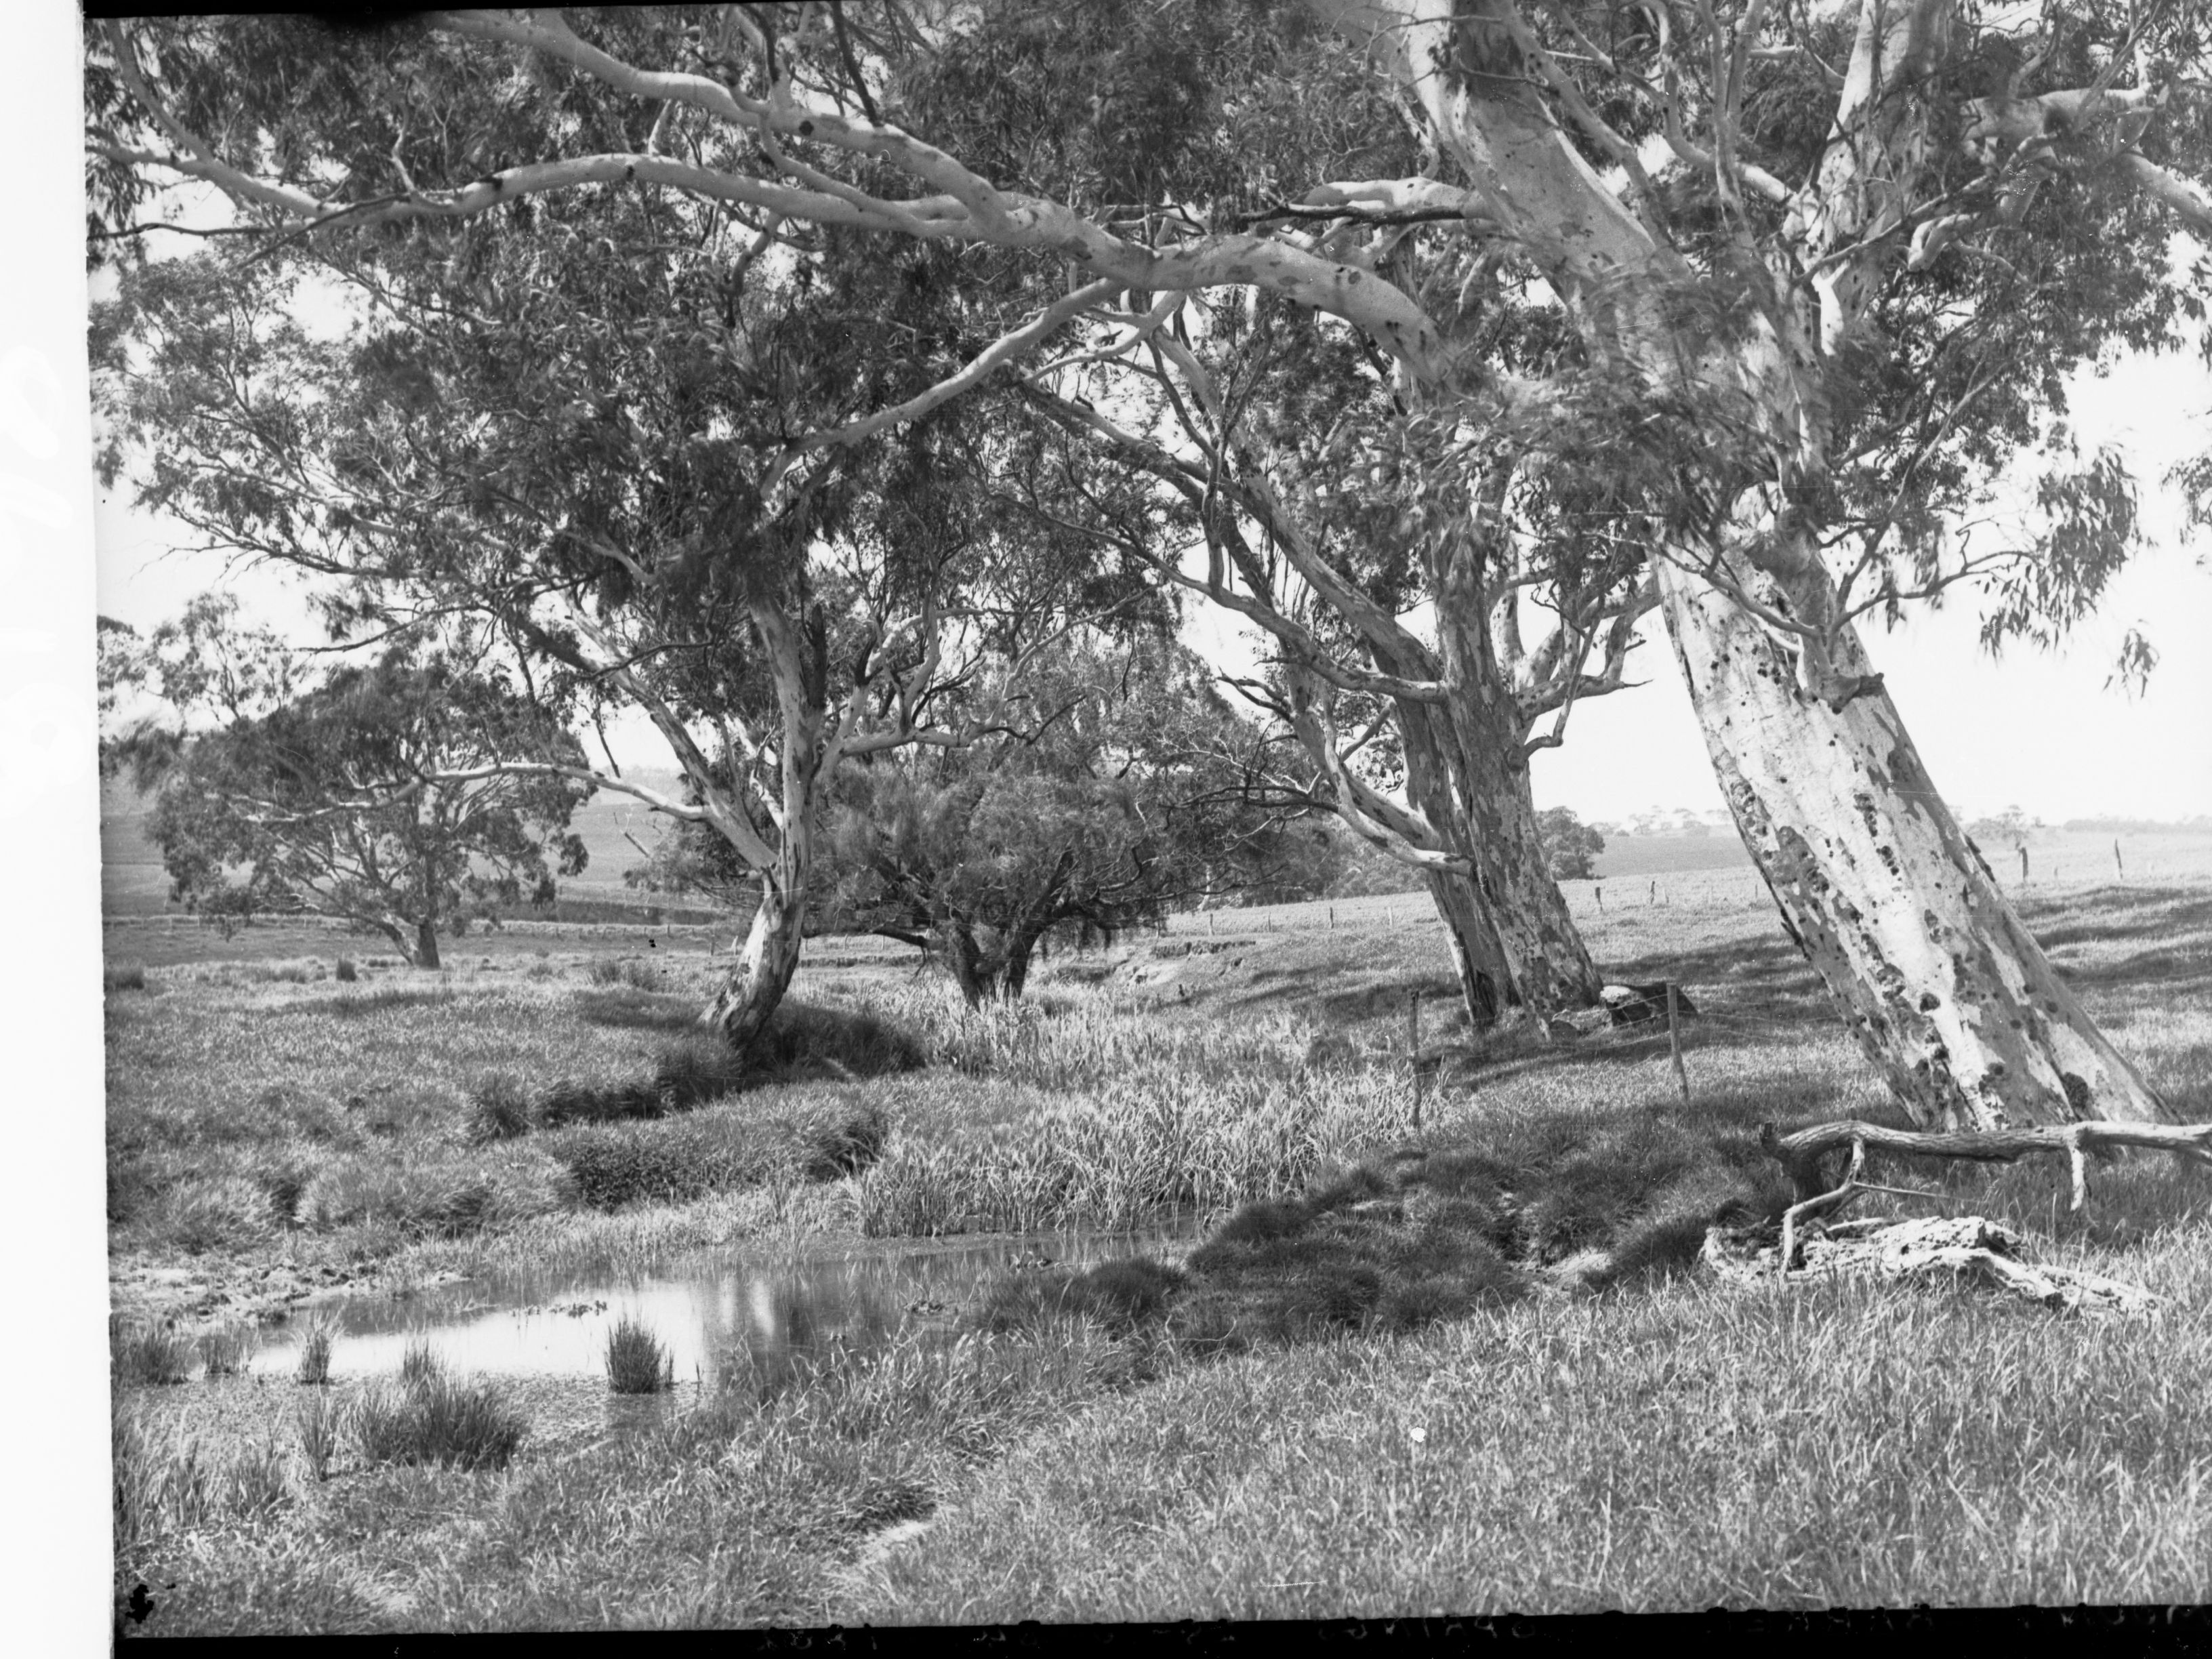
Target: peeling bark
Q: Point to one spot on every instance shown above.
(1942, 987)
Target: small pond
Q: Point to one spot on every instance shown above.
(705, 1311)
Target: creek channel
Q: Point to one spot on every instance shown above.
(761, 1309)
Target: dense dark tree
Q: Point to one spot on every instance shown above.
(1104, 784)
(1570, 844)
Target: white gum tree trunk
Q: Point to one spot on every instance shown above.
(1944, 989)
(766, 962)
(1942, 986)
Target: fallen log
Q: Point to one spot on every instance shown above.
(1799, 1154)
(1969, 1249)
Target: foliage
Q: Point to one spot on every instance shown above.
(372, 794)
(1107, 787)
(2011, 825)
(1570, 844)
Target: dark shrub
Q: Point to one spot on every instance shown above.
(124, 976)
(346, 972)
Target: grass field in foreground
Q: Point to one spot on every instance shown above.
(1378, 1439)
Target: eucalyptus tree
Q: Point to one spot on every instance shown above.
(1795, 258)
(662, 484)
(1104, 782)
(378, 793)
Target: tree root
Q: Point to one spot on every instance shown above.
(1967, 1250)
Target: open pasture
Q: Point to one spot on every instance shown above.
(1316, 1407)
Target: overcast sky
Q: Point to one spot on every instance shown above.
(2036, 729)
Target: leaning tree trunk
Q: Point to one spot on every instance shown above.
(765, 963)
(1946, 991)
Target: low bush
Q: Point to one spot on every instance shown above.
(346, 973)
(124, 976)
(636, 1362)
(436, 1418)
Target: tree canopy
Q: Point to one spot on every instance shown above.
(381, 792)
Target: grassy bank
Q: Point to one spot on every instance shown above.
(1479, 1373)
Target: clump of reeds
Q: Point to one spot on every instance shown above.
(178, 1482)
(318, 1417)
(498, 1109)
(419, 1365)
(315, 1339)
(636, 1361)
(434, 1417)
(149, 1352)
(224, 1352)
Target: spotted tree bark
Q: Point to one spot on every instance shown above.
(1944, 987)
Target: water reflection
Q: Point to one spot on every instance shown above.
(711, 1313)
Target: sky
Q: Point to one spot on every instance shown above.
(2040, 730)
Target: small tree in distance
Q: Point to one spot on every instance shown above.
(1571, 846)
(382, 795)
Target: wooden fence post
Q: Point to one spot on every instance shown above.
(1675, 1044)
(1413, 1052)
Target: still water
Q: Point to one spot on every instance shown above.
(707, 1311)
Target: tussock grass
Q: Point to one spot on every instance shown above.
(345, 973)
(446, 1195)
(430, 1417)
(173, 1482)
(124, 976)
(636, 1361)
(316, 1339)
(318, 1421)
(225, 1351)
(149, 1352)
(1121, 1295)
